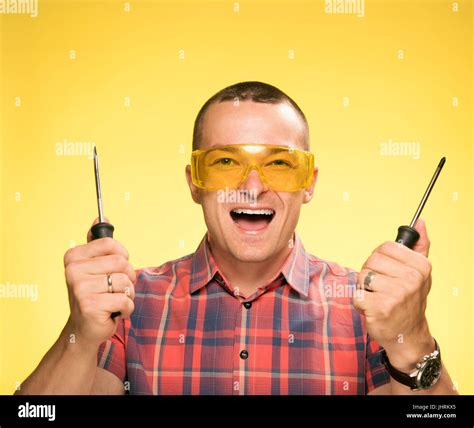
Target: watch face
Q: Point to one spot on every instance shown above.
(430, 373)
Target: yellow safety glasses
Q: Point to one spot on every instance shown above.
(282, 168)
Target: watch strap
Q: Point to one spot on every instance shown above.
(401, 377)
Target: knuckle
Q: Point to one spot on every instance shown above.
(127, 311)
(130, 272)
(374, 259)
(123, 300)
(130, 306)
(134, 275)
(413, 274)
(387, 246)
(107, 245)
(111, 246)
(119, 262)
(386, 310)
(123, 278)
(71, 272)
(428, 268)
(399, 295)
(125, 251)
(69, 256)
(78, 291)
(129, 290)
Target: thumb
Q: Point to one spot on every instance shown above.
(423, 244)
(89, 233)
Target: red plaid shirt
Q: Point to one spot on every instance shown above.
(191, 333)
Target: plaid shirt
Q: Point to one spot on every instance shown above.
(191, 333)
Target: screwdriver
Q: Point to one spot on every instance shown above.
(408, 235)
(101, 229)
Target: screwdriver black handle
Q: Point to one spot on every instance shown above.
(103, 230)
(407, 236)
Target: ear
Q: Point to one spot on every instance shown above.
(308, 192)
(195, 191)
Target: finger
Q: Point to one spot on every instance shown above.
(405, 255)
(112, 302)
(379, 282)
(104, 265)
(386, 265)
(422, 246)
(97, 284)
(99, 247)
(90, 237)
(363, 300)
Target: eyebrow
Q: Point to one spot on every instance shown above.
(232, 149)
(225, 148)
(280, 149)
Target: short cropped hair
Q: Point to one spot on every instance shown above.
(258, 92)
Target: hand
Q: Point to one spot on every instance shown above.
(395, 309)
(91, 304)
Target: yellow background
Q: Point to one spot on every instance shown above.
(317, 58)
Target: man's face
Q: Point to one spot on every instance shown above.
(251, 237)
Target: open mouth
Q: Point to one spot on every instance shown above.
(252, 219)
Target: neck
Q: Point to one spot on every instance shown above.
(248, 276)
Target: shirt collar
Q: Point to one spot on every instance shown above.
(203, 267)
(295, 269)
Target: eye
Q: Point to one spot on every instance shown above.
(224, 161)
(280, 162)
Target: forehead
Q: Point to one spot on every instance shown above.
(228, 123)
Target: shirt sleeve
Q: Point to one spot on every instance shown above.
(375, 372)
(111, 355)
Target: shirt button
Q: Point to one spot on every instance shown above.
(248, 305)
(244, 354)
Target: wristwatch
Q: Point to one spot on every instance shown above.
(425, 375)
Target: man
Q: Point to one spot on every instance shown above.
(250, 312)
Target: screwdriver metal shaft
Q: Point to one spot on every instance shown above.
(101, 229)
(97, 186)
(428, 191)
(408, 235)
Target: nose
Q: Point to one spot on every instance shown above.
(254, 183)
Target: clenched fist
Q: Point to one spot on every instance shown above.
(394, 301)
(91, 300)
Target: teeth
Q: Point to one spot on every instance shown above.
(253, 212)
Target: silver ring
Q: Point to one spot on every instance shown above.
(109, 283)
(368, 280)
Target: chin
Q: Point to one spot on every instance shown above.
(252, 254)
